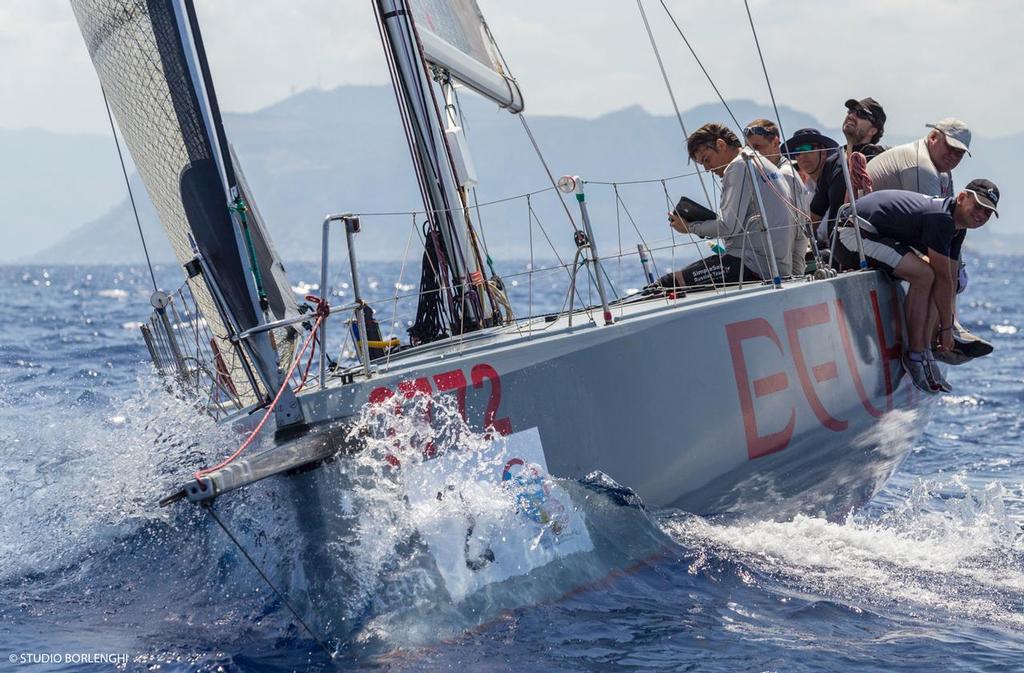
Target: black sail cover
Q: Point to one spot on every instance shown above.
(150, 62)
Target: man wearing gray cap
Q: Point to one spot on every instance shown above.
(924, 165)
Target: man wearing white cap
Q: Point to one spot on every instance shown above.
(923, 166)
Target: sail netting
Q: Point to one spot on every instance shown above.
(148, 64)
(455, 37)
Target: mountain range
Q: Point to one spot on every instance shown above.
(343, 150)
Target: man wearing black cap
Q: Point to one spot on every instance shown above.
(863, 127)
(809, 150)
(897, 227)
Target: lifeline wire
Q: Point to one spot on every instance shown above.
(128, 184)
(327, 650)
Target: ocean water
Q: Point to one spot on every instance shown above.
(94, 576)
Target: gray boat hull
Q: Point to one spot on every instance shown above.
(763, 402)
(759, 403)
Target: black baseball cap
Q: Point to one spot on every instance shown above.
(985, 192)
(873, 108)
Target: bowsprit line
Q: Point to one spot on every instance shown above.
(209, 508)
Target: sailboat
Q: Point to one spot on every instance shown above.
(767, 399)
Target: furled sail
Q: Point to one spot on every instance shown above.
(151, 64)
(455, 37)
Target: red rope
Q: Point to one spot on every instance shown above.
(859, 178)
(322, 311)
(309, 363)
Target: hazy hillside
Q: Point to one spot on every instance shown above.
(343, 150)
(50, 183)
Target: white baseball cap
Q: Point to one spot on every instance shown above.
(957, 132)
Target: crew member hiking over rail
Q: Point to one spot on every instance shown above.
(917, 238)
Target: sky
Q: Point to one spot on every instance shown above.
(922, 59)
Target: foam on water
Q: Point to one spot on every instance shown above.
(84, 473)
(447, 527)
(947, 551)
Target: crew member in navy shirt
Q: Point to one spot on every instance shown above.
(899, 230)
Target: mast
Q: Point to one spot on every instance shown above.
(432, 159)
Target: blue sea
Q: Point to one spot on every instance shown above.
(95, 577)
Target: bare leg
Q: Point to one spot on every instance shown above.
(931, 329)
(920, 276)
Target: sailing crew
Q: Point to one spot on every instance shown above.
(809, 150)
(763, 136)
(715, 147)
(898, 227)
(925, 166)
(863, 127)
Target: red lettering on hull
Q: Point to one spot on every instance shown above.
(451, 381)
(757, 445)
(810, 376)
(797, 319)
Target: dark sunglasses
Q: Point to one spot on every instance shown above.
(757, 131)
(861, 113)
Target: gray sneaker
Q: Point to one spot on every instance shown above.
(919, 374)
(934, 373)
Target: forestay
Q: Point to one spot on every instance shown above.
(455, 37)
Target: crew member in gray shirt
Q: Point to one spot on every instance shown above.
(763, 136)
(924, 165)
(716, 148)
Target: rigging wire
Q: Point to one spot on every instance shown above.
(128, 184)
(778, 120)
(764, 69)
(330, 654)
(672, 95)
(700, 63)
(547, 169)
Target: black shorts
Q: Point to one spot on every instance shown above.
(716, 270)
(881, 252)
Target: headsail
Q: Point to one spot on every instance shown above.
(150, 61)
(279, 291)
(455, 37)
